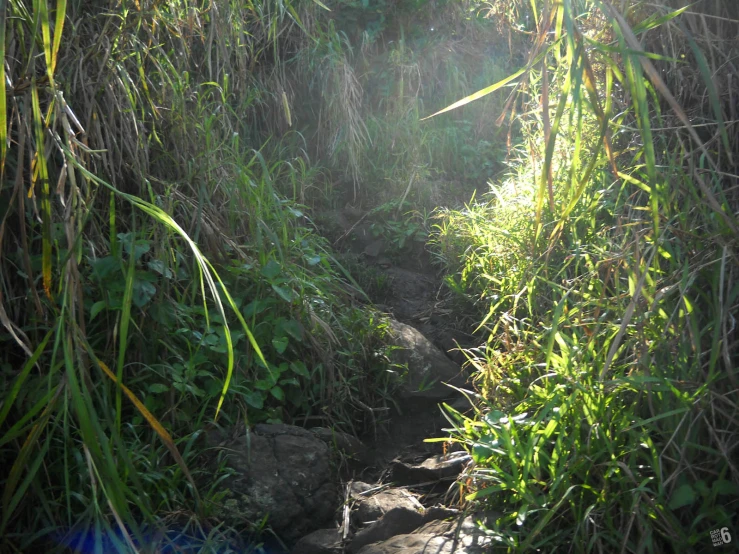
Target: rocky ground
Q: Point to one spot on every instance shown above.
(398, 494)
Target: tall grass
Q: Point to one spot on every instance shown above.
(154, 276)
(603, 268)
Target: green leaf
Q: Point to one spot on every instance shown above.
(723, 486)
(158, 388)
(97, 307)
(257, 307)
(278, 393)
(293, 328)
(684, 495)
(285, 293)
(255, 399)
(159, 267)
(143, 292)
(106, 267)
(280, 344)
(141, 246)
(299, 368)
(271, 270)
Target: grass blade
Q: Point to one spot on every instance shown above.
(154, 423)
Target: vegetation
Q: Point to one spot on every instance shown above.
(603, 268)
(161, 163)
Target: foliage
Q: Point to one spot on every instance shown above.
(154, 273)
(603, 270)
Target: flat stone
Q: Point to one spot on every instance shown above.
(372, 508)
(323, 541)
(431, 469)
(412, 544)
(436, 537)
(437, 527)
(397, 521)
(374, 248)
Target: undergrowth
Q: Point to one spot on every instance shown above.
(158, 270)
(604, 268)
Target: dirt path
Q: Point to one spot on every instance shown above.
(402, 468)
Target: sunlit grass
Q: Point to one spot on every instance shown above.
(601, 270)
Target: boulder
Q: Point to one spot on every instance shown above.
(345, 443)
(428, 367)
(282, 472)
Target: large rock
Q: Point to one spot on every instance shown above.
(282, 472)
(344, 443)
(428, 367)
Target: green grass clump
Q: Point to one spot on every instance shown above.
(603, 270)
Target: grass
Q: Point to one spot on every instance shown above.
(151, 223)
(159, 165)
(602, 270)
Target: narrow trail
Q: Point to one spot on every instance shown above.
(401, 497)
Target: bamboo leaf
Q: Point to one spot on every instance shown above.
(43, 175)
(20, 379)
(660, 85)
(492, 88)
(61, 11)
(125, 321)
(42, 11)
(20, 462)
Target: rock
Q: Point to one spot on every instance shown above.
(412, 544)
(428, 367)
(372, 508)
(438, 528)
(323, 541)
(431, 469)
(375, 248)
(358, 488)
(434, 538)
(343, 442)
(395, 522)
(282, 472)
(449, 342)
